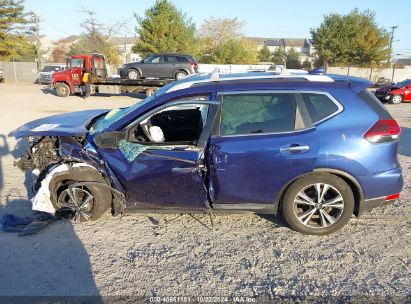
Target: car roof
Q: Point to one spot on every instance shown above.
(355, 83)
(171, 54)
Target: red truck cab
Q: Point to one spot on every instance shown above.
(70, 81)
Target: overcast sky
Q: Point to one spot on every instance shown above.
(264, 18)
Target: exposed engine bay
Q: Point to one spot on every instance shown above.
(64, 183)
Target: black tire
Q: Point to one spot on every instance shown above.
(291, 210)
(180, 75)
(133, 74)
(62, 89)
(102, 197)
(396, 99)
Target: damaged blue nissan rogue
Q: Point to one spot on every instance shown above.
(315, 149)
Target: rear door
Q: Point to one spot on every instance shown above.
(261, 143)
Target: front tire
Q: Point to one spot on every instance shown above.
(133, 74)
(81, 203)
(62, 89)
(396, 99)
(318, 204)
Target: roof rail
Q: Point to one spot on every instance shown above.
(214, 76)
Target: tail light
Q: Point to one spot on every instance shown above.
(392, 197)
(194, 65)
(383, 130)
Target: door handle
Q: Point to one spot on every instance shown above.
(185, 170)
(295, 149)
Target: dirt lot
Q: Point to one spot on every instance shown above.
(172, 255)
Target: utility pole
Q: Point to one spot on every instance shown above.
(393, 28)
(38, 46)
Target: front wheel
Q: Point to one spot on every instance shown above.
(396, 99)
(133, 74)
(318, 204)
(62, 89)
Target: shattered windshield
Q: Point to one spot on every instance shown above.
(114, 115)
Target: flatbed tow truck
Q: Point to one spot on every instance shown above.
(70, 81)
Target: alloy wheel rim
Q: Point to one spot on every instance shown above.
(77, 200)
(396, 99)
(180, 76)
(132, 75)
(318, 205)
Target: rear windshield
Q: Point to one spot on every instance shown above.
(375, 104)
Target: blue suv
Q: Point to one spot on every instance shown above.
(314, 148)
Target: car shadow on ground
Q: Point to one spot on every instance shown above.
(51, 263)
(47, 90)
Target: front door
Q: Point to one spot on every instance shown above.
(77, 70)
(161, 163)
(157, 178)
(150, 66)
(262, 143)
(407, 92)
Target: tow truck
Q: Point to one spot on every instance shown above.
(70, 81)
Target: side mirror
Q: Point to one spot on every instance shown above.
(108, 140)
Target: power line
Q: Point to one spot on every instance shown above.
(393, 28)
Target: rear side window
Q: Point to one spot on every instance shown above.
(170, 59)
(319, 106)
(182, 59)
(257, 113)
(374, 104)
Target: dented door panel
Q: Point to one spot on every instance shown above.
(160, 178)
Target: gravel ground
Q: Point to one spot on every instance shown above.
(172, 255)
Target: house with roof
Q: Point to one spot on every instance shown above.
(124, 46)
(46, 46)
(403, 63)
(301, 45)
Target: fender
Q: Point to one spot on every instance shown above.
(351, 180)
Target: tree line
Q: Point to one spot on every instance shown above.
(341, 39)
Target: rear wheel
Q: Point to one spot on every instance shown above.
(318, 204)
(396, 99)
(180, 75)
(133, 74)
(62, 89)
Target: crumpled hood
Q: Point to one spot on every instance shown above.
(66, 124)
(386, 88)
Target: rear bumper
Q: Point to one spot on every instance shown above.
(378, 186)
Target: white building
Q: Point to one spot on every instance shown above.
(301, 45)
(125, 45)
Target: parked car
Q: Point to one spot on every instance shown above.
(1, 75)
(45, 76)
(318, 148)
(396, 93)
(382, 81)
(176, 66)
